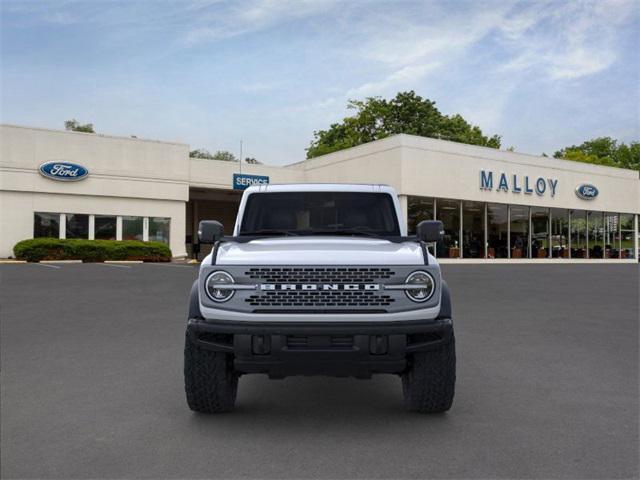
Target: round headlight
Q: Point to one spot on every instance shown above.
(213, 283)
(425, 286)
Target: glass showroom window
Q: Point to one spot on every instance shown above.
(559, 233)
(596, 235)
(611, 235)
(159, 229)
(132, 228)
(497, 231)
(449, 214)
(578, 234)
(539, 232)
(472, 230)
(46, 225)
(77, 226)
(105, 227)
(418, 209)
(519, 231)
(627, 233)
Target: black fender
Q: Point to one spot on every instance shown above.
(445, 302)
(194, 302)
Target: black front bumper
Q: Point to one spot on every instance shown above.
(345, 349)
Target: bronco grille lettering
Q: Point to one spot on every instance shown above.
(321, 286)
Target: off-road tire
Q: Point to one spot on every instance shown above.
(209, 379)
(428, 384)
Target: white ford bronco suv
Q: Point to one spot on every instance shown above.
(319, 279)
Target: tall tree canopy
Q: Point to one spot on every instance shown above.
(377, 118)
(75, 126)
(604, 151)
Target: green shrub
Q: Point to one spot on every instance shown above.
(37, 249)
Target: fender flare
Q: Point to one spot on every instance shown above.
(194, 302)
(445, 302)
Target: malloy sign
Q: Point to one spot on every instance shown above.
(514, 183)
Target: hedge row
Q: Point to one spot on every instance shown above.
(37, 249)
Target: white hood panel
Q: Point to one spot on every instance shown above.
(319, 251)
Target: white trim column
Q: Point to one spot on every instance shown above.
(635, 237)
(92, 227)
(530, 255)
(586, 235)
(118, 227)
(486, 230)
(619, 232)
(145, 229)
(570, 232)
(549, 236)
(404, 209)
(461, 231)
(509, 231)
(63, 226)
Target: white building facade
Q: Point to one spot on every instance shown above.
(496, 206)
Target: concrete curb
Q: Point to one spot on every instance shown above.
(7, 261)
(60, 261)
(123, 261)
(534, 261)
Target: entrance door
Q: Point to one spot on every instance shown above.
(209, 204)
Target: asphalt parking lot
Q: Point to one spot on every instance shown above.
(91, 377)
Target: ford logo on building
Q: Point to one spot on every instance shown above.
(586, 191)
(64, 171)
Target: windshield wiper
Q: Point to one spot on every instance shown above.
(349, 231)
(269, 231)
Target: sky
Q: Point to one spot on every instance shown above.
(542, 74)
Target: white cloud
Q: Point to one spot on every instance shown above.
(246, 17)
(564, 41)
(405, 77)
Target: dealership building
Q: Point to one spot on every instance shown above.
(496, 206)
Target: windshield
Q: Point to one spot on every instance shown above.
(320, 213)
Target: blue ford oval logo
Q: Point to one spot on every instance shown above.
(64, 171)
(586, 191)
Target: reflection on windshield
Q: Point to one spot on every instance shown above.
(320, 213)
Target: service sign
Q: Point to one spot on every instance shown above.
(63, 171)
(242, 181)
(586, 191)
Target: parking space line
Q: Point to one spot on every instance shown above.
(171, 265)
(113, 265)
(46, 265)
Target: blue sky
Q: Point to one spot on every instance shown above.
(542, 74)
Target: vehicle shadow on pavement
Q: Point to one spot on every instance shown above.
(312, 399)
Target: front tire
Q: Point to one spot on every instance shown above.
(428, 384)
(210, 381)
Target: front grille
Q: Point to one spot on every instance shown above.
(332, 298)
(319, 274)
(319, 298)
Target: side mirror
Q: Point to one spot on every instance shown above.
(430, 231)
(210, 231)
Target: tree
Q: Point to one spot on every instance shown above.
(75, 126)
(377, 118)
(201, 153)
(225, 155)
(219, 155)
(252, 161)
(604, 151)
